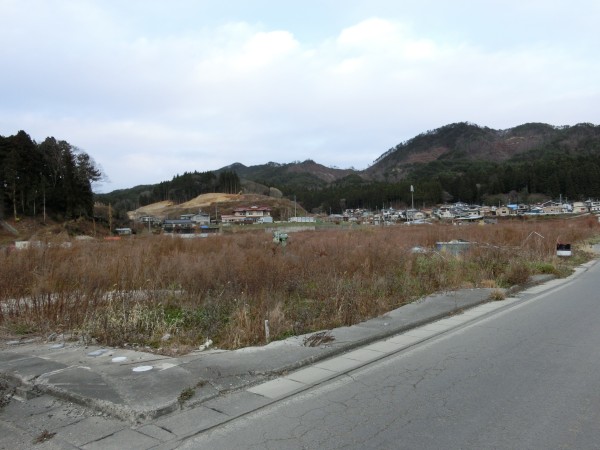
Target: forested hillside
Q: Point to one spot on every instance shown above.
(457, 162)
(180, 189)
(51, 177)
(468, 163)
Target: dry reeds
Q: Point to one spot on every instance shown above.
(164, 292)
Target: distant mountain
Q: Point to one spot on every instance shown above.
(470, 142)
(306, 173)
(456, 142)
(460, 161)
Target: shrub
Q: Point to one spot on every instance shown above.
(225, 287)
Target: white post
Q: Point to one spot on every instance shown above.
(412, 201)
(267, 331)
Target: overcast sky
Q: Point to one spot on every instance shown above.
(151, 89)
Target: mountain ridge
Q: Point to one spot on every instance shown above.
(459, 160)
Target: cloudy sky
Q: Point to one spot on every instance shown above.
(151, 89)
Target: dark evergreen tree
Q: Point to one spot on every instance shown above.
(53, 175)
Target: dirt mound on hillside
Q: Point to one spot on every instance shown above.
(205, 200)
(154, 207)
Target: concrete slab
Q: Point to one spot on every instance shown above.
(438, 327)
(421, 333)
(42, 413)
(82, 382)
(233, 382)
(189, 422)
(16, 411)
(89, 430)
(31, 368)
(238, 403)
(363, 354)
(491, 306)
(345, 335)
(8, 357)
(458, 319)
(311, 375)
(129, 439)
(158, 433)
(277, 388)
(471, 313)
(11, 438)
(339, 364)
(384, 347)
(404, 340)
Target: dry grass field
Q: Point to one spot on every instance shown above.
(138, 290)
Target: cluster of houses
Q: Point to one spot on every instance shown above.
(465, 212)
(457, 212)
(201, 221)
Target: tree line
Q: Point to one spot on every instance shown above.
(180, 189)
(554, 173)
(51, 177)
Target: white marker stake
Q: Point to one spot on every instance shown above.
(267, 331)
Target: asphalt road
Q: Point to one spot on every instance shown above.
(527, 377)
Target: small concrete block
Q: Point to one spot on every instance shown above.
(455, 320)
(19, 411)
(192, 421)
(489, 306)
(89, 430)
(311, 375)
(129, 439)
(339, 364)
(438, 327)
(30, 368)
(277, 388)
(421, 333)
(236, 404)
(171, 445)
(403, 340)
(384, 347)
(14, 438)
(83, 382)
(156, 432)
(229, 383)
(471, 313)
(362, 354)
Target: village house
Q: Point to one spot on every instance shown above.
(252, 214)
(552, 208)
(593, 206)
(184, 226)
(486, 211)
(200, 218)
(150, 219)
(503, 211)
(579, 208)
(444, 212)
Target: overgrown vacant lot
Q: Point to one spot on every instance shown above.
(136, 291)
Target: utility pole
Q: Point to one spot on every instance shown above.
(110, 218)
(412, 200)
